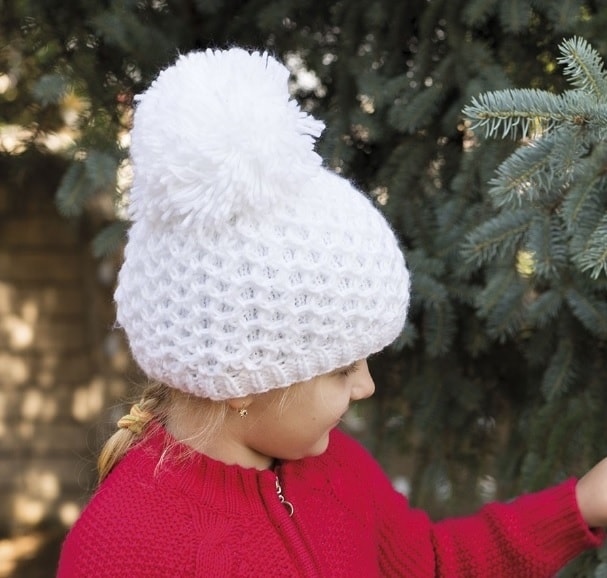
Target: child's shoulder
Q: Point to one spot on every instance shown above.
(349, 471)
(127, 506)
(345, 452)
(341, 443)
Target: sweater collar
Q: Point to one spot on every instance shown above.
(203, 478)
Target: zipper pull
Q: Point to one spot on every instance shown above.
(282, 500)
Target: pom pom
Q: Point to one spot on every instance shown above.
(217, 135)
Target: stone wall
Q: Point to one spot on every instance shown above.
(62, 366)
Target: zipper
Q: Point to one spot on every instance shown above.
(294, 538)
(288, 505)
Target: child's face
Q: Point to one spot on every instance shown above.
(297, 424)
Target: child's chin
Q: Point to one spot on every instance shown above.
(320, 447)
(317, 449)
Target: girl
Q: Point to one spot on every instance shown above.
(255, 285)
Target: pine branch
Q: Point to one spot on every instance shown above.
(454, 219)
(109, 239)
(74, 187)
(583, 67)
(429, 290)
(418, 111)
(83, 179)
(544, 308)
(421, 262)
(439, 328)
(561, 371)
(563, 15)
(494, 291)
(477, 12)
(530, 112)
(524, 175)
(546, 241)
(583, 198)
(591, 312)
(50, 89)
(594, 258)
(515, 15)
(497, 237)
(407, 338)
(516, 112)
(507, 315)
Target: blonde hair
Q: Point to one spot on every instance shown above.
(160, 403)
(186, 412)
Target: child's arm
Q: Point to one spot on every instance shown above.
(591, 493)
(533, 536)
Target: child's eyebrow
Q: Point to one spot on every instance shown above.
(350, 367)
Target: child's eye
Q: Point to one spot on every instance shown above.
(349, 370)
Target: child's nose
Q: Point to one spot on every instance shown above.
(363, 385)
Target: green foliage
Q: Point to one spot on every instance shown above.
(594, 257)
(561, 371)
(498, 237)
(522, 112)
(583, 67)
(50, 89)
(544, 252)
(567, 133)
(516, 15)
(110, 239)
(85, 178)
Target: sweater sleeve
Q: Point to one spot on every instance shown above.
(532, 536)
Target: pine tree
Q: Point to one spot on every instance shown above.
(548, 236)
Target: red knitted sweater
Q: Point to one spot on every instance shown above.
(189, 516)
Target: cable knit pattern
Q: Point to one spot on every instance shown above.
(248, 266)
(192, 516)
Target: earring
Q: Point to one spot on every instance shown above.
(243, 412)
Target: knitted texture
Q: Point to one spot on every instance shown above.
(248, 266)
(194, 517)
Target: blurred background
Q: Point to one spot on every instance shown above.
(497, 385)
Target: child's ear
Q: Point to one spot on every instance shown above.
(238, 403)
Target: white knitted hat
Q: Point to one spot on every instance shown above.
(248, 265)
